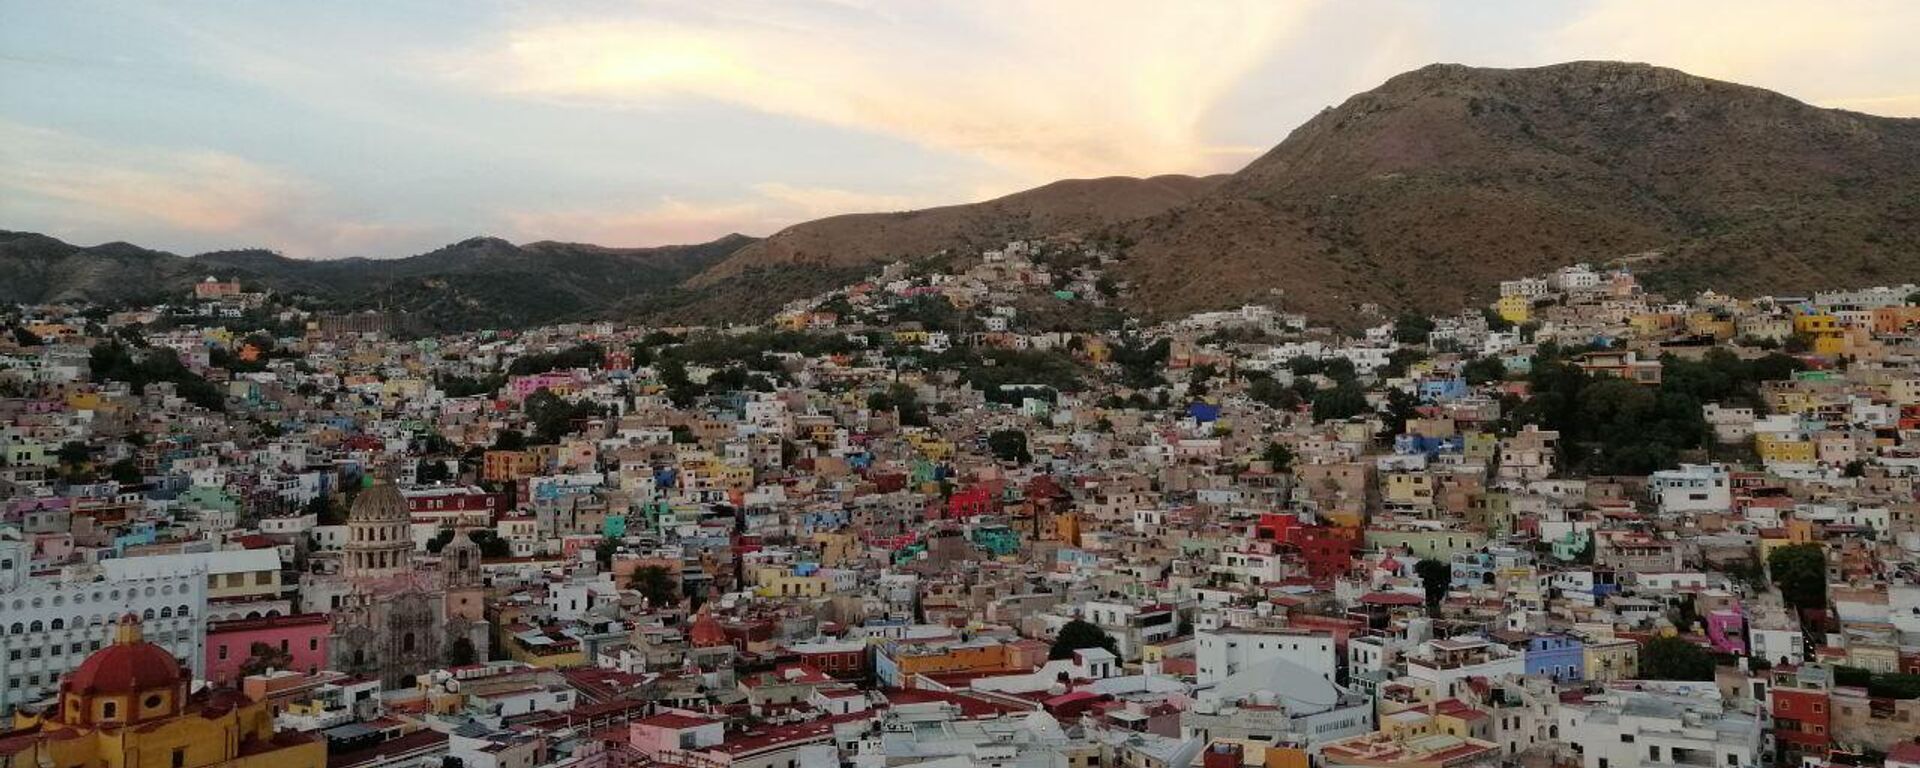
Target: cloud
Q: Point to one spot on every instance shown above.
(768, 208)
(1849, 55)
(188, 198)
(1063, 88)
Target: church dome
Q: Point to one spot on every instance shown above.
(379, 503)
(706, 632)
(131, 665)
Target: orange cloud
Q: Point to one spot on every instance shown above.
(1068, 88)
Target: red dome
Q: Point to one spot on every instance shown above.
(706, 631)
(130, 665)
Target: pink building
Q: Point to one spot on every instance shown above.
(1726, 631)
(302, 637)
(674, 731)
(558, 382)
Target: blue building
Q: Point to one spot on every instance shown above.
(1561, 657)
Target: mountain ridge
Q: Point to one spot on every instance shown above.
(1418, 195)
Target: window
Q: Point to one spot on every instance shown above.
(1626, 738)
(1653, 752)
(109, 710)
(179, 757)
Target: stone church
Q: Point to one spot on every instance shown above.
(395, 614)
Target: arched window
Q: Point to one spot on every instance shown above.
(406, 642)
(147, 614)
(58, 624)
(166, 612)
(36, 627)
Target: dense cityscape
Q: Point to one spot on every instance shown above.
(968, 511)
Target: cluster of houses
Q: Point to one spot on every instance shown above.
(923, 521)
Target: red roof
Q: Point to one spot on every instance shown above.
(130, 665)
(674, 721)
(1389, 598)
(707, 632)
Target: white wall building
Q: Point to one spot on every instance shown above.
(1221, 653)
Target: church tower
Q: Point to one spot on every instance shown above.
(378, 540)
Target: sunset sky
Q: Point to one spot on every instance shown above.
(385, 129)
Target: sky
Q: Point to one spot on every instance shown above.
(326, 130)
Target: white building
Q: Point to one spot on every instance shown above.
(1692, 488)
(1684, 726)
(1449, 662)
(49, 626)
(1222, 653)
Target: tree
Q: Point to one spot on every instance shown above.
(1800, 571)
(1483, 370)
(1078, 635)
(1412, 329)
(509, 440)
(125, 472)
(262, 657)
(680, 387)
(1009, 445)
(432, 471)
(491, 545)
(1278, 456)
(1344, 401)
(1436, 578)
(1672, 658)
(656, 585)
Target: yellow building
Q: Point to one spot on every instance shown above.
(1609, 660)
(128, 706)
(1774, 449)
(1410, 489)
(1514, 309)
(781, 582)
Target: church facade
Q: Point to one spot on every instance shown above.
(397, 614)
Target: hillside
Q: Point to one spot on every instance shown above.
(476, 283)
(1425, 192)
(863, 239)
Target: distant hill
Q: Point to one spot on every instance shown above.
(861, 239)
(481, 282)
(1425, 192)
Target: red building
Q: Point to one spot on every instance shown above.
(970, 502)
(1326, 551)
(842, 659)
(1802, 716)
(451, 505)
(300, 643)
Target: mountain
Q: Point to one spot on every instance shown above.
(1426, 191)
(481, 282)
(1421, 194)
(856, 241)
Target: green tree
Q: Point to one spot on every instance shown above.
(1344, 401)
(125, 472)
(1278, 456)
(1077, 635)
(1412, 329)
(1483, 370)
(432, 471)
(1672, 658)
(263, 657)
(1009, 445)
(509, 440)
(1436, 578)
(656, 585)
(1800, 571)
